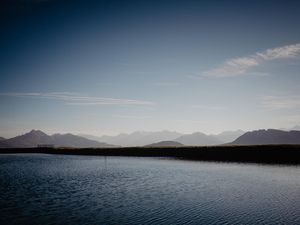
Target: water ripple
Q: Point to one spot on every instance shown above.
(49, 189)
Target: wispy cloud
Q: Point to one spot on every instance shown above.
(166, 84)
(281, 102)
(191, 121)
(207, 107)
(259, 74)
(239, 66)
(292, 119)
(78, 99)
(131, 117)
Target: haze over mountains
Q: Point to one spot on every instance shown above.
(138, 138)
(141, 138)
(229, 136)
(37, 137)
(198, 138)
(165, 144)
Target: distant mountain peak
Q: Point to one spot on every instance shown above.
(37, 132)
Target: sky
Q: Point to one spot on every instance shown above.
(109, 67)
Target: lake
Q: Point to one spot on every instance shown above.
(64, 189)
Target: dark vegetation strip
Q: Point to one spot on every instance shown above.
(272, 154)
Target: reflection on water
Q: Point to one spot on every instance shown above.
(57, 189)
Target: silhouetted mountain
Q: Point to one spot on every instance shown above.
(165, 144)
(138, 138)
(2, 139)
(270, 136)
(37, 137)
(198, 138)
(229, 136)
(31, 139)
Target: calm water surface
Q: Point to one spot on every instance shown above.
(57, 189)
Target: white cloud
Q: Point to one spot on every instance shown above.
(288, 51)
(239, 66)
(281, 102)
(78, 99)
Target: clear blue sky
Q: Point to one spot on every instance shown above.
(104, 67)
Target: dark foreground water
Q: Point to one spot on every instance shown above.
(56, 189)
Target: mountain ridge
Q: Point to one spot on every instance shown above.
(137, 138)
(37, 137)
(142, 138)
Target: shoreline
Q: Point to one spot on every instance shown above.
(267, 154)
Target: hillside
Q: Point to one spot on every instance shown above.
(270, 136)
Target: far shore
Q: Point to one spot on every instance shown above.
(270, 154)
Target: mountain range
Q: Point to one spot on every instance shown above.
(37, 137)
(162, 138)
(142, 138)
(138, 138)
